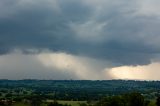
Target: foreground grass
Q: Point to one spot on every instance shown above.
(152, 103)
(72, 103)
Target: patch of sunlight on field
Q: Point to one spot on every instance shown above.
(72, 103)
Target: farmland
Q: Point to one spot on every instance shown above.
(73, 92)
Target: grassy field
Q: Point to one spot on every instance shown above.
(72, 103)
(152, 103)
(20, 104)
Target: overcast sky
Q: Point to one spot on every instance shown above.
(80, 39)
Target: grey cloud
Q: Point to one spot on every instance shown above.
(128, 36)
(55, 66)
(18, 66)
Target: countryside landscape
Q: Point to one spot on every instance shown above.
(79, 93)
(79, 52)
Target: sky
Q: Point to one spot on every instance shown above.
(80, 39)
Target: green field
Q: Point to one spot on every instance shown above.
(72, 103)
(77, 92)
(20, 104)
(152, 103)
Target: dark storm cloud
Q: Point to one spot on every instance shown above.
(114, 31)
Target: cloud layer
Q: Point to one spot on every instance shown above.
(51, 66)
(121, 33)
(62, 66)
(125, 32)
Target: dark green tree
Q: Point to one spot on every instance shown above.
(112, 101)
(158, 101)
(35, 100)
(134, 99)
